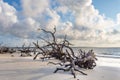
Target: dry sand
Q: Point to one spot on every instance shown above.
(24, 68)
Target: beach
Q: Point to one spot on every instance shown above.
(25, 68)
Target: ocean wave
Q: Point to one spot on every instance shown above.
(109, 56)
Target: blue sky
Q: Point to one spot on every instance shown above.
(85, 22)
(15, 3)
(108, 7)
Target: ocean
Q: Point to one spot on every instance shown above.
(101, 51)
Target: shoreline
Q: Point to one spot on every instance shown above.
(24, 68)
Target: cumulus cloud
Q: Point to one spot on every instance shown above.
(89, 25)
(34, 8)
(7, 16)
(118, 18)
(62, 9)
(78, 19)
(25, 28)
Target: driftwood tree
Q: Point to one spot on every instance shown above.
(25, 51)
(56, 48)
(5, 49)
(70, 67)
(63, 52)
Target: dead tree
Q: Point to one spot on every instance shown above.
(86, 60)
(4, 49)
(25, 51)
(56, 48)
(70, 67)
(12, 50)
(83, 60)
(43, 52)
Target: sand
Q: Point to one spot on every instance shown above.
(24, 68)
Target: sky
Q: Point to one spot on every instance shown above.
(88, 23)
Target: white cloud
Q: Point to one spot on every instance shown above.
(10, 24)
(54, 19)
(75, 4)
(62, 9)
(25, 28)
(34, 8)
(118, 18)
(7, 16)
(88, 25)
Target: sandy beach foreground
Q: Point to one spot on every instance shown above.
(24, 68)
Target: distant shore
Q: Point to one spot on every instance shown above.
(24, 68)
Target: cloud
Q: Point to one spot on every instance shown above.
(118, 18)
(62, 9)
(26, 28)
(7, 16)
(75, 4)
(34, 8)
(54, 19)
(78, 19)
